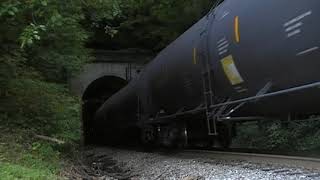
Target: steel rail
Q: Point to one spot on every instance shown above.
(289, 161)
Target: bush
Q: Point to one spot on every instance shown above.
(45, 108)
(42, 44)
(296, 136)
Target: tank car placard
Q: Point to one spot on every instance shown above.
(231, 70)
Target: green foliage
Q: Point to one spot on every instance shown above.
(49, 32)
(16, 171)
(47, 107)
(22, 157)
(42, 44)
(31, 34)
(102, 10)
(279, 137)
(249, 136)
(9, 9)
(150, 24)
(302, 136)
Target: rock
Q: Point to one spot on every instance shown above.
(193, 178)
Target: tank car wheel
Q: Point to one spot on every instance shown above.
(148, 136)
(177, 136)
(182, 136)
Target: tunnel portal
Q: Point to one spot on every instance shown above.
(94, 96)
(101, 78)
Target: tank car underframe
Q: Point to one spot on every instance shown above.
(237, 104)
(222, 113)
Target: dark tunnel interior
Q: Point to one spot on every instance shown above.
(93, 97)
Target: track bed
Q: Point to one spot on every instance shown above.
(114, 163)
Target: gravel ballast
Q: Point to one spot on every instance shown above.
(129, 164)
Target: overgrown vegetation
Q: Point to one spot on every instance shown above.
(272, 135)
(23, 157)
(148, 24)
(42, 44)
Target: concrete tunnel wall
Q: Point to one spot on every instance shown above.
(101, 79)
(96, 83)
(94, 71)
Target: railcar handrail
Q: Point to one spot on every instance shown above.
(294, 89)
(257, 97)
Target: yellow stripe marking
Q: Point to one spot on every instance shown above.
(194, 55)
(236, 29)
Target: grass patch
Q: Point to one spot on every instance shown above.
(23, 157)
(33, 107)
(14, 171)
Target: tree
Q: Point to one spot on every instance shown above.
(149, 24)
(42, 44)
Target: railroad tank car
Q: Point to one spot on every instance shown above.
(244, 59)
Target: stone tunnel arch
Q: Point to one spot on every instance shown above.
(99, 79)
(97, 92)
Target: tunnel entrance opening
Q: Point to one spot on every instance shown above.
(93, 97)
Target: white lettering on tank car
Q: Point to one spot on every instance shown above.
(221, 40)
(223, 52)
(298, 18)
(226, 13)
(222, 43)
(295, 26)
(223, 47)
(307, 51)
(294, 33)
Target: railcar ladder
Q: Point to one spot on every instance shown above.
(207, 73)
(208, 100)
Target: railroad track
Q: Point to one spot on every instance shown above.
(208, 164)
(279, 164)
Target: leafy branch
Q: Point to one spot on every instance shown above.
(31, 34)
